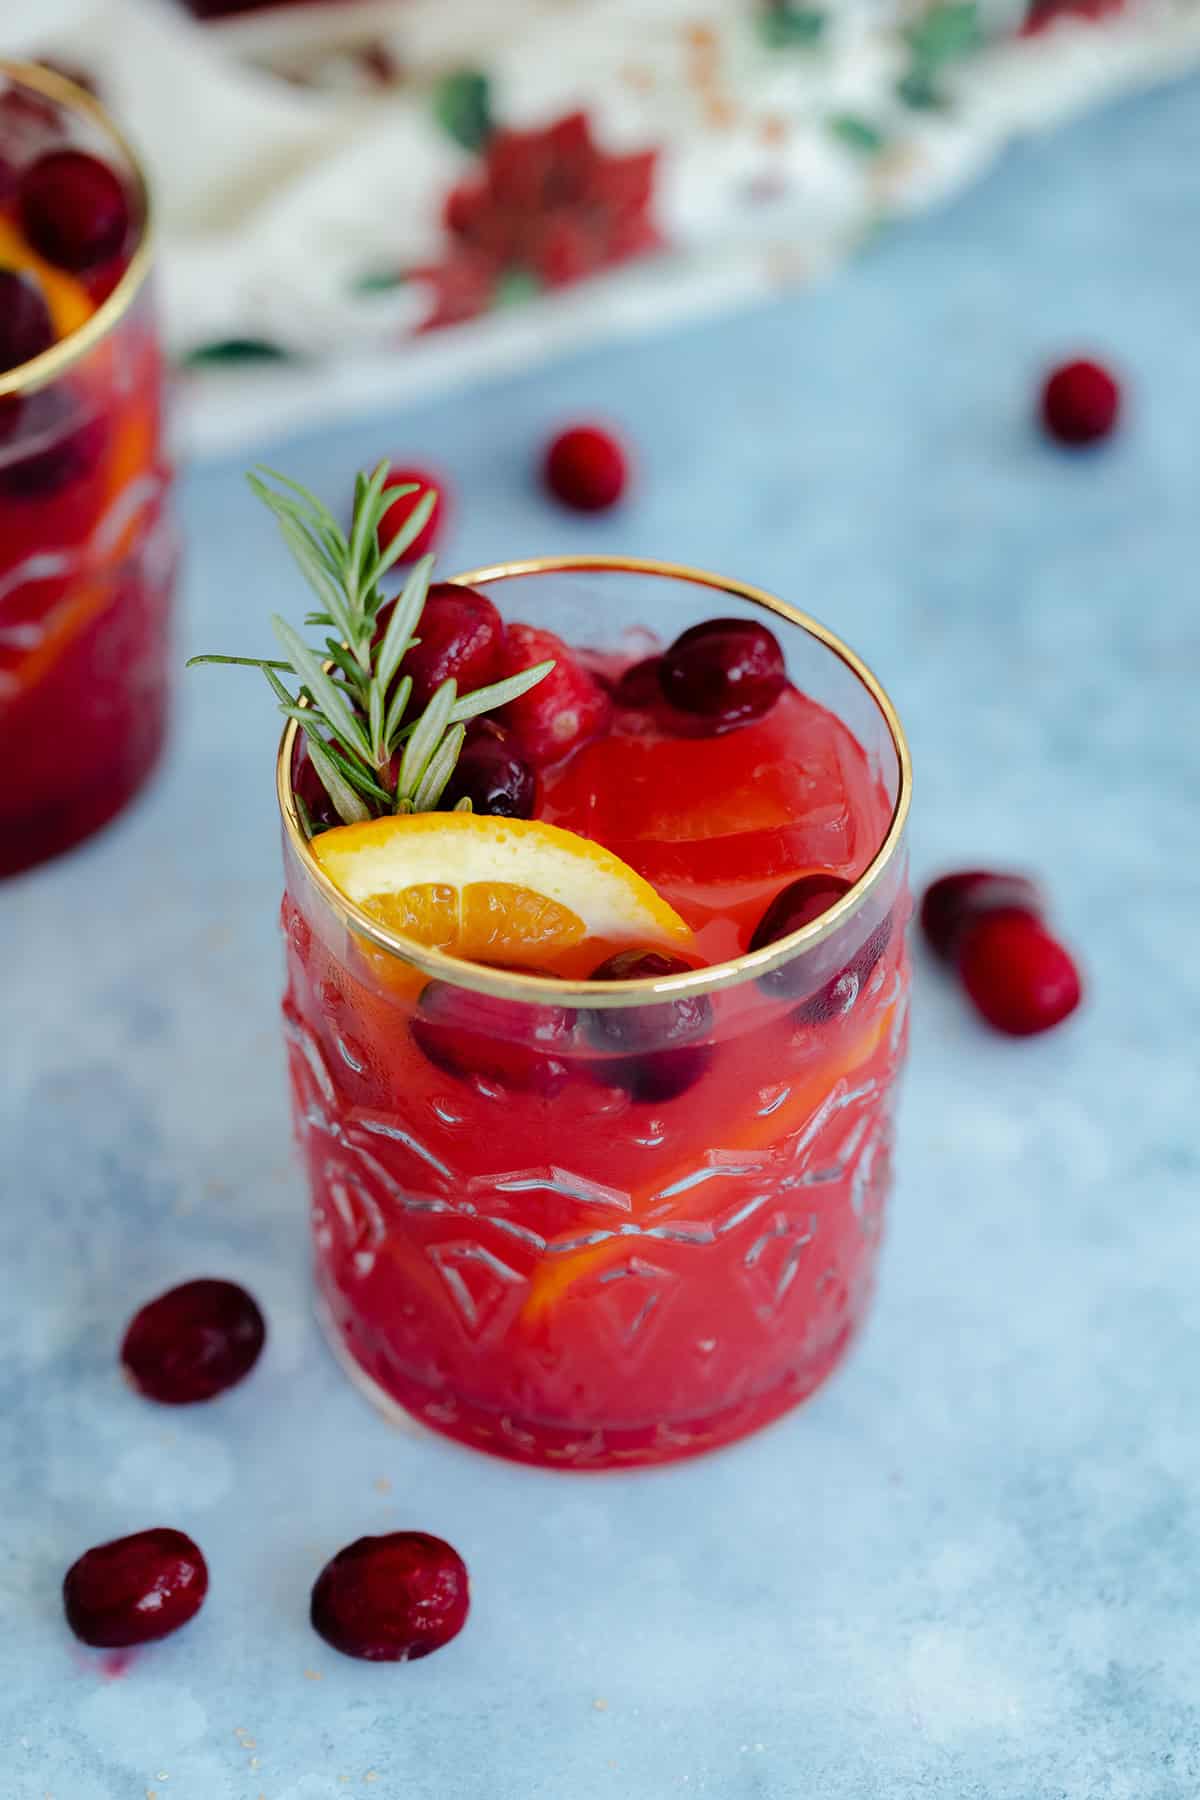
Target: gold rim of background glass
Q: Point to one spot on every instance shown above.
(512, 984)
(27, 377)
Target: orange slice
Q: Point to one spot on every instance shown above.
(68, 300)
(516, 893)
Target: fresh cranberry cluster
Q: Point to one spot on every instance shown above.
(386, 1599)
(991, 930)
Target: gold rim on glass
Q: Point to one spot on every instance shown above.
(27, 377)
(512, 984)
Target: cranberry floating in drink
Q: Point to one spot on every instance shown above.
(596, 1000)
(87, 552)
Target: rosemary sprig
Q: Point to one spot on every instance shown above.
(353, 699)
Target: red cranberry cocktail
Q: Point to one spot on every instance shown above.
(597, 1114)
(86, 548)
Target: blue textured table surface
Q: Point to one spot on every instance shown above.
(968, 1569)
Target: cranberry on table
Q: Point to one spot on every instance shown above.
(566, 708)
(1080, 403)
(25, 324)
(725, 670)
(1019, 978)
(193, 1342)
(951, 902)
(494, 776)
(135, 1589)
(74, 209)
(461, 635)
(586, 469)
(506, 1042)
(392, 1598)
(398, 512)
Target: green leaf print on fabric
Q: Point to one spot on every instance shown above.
(462, 107)
(514, 287)
(786, 25)
(378, 281)
(236, 350)
(857, 134)
(944, 33)
(940, 37)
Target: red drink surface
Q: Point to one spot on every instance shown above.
(720, 823)
(86, 556)
(572, 1275)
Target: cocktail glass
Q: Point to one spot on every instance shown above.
(521, 1247)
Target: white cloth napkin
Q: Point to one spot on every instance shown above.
(301, 157)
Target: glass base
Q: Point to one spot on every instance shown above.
(586, 1449)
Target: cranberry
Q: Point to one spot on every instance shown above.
(586, 469)
(193, 1342)
(74, 209)
(461, 634)
(308, 787)
(25, 325)
(662, 1075)
(393, 1598)
(951, 902)
(55, 444)
(658, 1057)
(1021, 980)
(1080, 403)
(798, 905)
(509, 1042)
(639, 686)
(837, 995)
(135, 1589)
(398, 512)
(653, 1025)
(795, 906)
(493, 775)
(567, 707)
(726, 670)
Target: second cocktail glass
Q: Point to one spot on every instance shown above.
(87, 550)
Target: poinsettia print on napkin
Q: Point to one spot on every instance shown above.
(414, 190)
